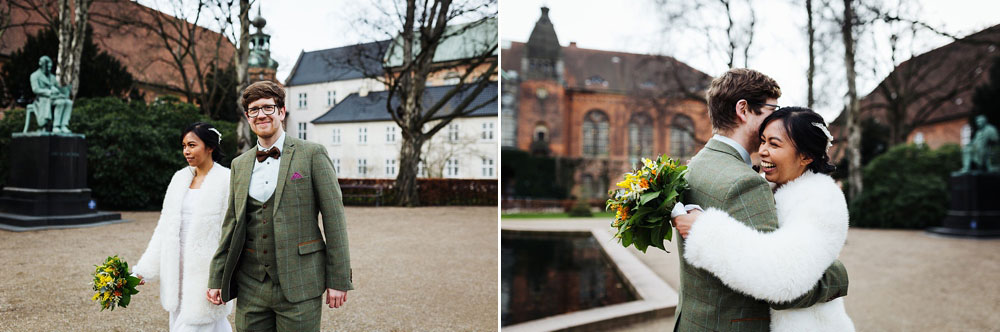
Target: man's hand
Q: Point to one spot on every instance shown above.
(335, 298)
(214, 296)
(683, 223)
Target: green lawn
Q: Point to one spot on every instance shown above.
(603, 214)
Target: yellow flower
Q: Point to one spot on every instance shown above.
(107, 295)
(95, 296)
(648, 163)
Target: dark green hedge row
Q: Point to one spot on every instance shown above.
(433, 192)
(133, 149)
(906, 187)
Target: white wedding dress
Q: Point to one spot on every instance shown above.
(191, 199)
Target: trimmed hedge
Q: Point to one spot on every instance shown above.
(433, 192)
(537, 176)
(133, 149)
(906, 187)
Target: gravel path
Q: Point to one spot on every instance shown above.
(418, 269)
(900, 281)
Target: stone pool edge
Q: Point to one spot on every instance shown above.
(656, 297)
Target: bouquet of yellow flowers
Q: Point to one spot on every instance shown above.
(114, 284)
(643, 203)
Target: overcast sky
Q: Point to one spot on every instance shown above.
(779, 47)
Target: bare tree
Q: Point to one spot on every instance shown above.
(415, 32)
(702, 17)
(240, 59)
(72, 31)
(811, 72)
(852, 107)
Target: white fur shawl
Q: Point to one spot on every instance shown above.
(785, 264)
(162, 257)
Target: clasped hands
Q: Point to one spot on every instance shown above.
(683, 222)
(334, 298)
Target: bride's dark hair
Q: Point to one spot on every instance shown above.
(803, 127)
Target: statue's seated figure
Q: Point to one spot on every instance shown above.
(979, 153)
(51, 100)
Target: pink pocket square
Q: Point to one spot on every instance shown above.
(296, 176)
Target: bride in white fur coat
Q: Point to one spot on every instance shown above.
(187, 235)
(812, 216)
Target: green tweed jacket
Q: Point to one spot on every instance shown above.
(306, 264)
(719, 178)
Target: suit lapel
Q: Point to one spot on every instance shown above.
(287, 152)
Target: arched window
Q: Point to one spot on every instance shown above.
(595, 134)
(541, 133)
(640, 138)
(681, 138)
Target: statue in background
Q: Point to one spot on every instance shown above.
(978, 154)
(51, 100)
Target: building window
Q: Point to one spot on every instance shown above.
(452, 78)
(487, 131)
(681, 138)
(453, 132)
(390, 167)
(596, 81)
(362, 135)
(541, 133)
(390, 134)
(422, 169)
(336, 165)
(331, 98)
(302, 100)
(336, 136)
(640, 138)
(302, 131)
(487, 168)
(595, 134)
(451, 168)
(362, 167)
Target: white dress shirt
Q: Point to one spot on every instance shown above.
(264, 178)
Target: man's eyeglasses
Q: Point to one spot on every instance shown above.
(268, 110)
(776, 107)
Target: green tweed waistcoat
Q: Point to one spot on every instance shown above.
(308, 259)
(258, 256)
(719, 178)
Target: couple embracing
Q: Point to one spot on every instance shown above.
(763, 254)
(250, 232)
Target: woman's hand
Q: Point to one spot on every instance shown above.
(683, 223)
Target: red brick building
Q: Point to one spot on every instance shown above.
(928, 98)
(607, 109)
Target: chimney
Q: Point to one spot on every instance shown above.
(572, 44)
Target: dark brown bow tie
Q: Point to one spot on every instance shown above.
(273, 152)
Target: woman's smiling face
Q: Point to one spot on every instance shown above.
(779, 159)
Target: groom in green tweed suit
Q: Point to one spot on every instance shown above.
(721, 177)
(272, 254)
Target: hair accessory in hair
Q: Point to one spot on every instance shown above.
(220, 134)
(829, 137)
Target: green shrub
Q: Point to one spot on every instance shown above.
(537, 177)
(906, 187)
(133, 149)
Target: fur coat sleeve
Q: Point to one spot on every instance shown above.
(782, 265)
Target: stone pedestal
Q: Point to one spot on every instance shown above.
(975, 206)
(47, 186)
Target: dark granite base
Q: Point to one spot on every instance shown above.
(20, 223)
(975, 207)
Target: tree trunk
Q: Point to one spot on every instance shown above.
(853, 108)
(72, 32)
(243, 136)
(406, 180)
(811, 73)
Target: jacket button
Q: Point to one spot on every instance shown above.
(265, 252)
(264, 207)
(265, 221)
(265, 236)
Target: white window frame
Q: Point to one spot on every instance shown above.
(336, 136)
(331, 97)
(303, 127)
(390, 134)
(487, 134)
(451, 168)
(390, 167)
(488, 167)
(303, 100)
(362, 167)
(453, 132)
(336, 165)
(363, 135)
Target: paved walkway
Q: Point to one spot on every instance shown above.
(419, 269)
(900, 280)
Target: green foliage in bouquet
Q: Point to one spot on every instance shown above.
(642, 205)
(113, 284)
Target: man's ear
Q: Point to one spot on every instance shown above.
(742, 110)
